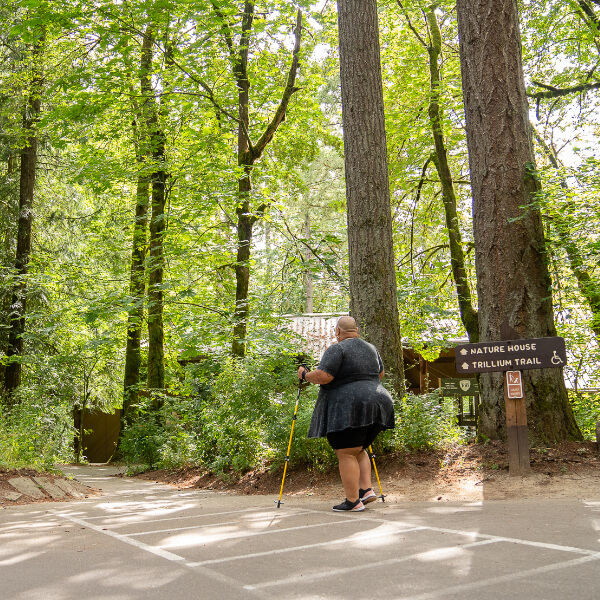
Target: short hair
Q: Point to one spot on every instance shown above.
(347, 324)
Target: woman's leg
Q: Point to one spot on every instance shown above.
(350, 470)
(364, 464)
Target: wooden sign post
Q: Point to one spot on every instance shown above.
(538, 353)
(517, 433)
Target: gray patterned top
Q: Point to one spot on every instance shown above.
(355, 397)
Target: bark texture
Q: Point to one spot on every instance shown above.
(373, 298)
(29, 157)
(156, 265)
(513, 281)
(137, 279)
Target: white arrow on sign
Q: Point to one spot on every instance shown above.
(463, 352)
(465, 365)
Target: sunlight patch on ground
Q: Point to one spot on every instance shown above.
(19, 559)
(149, 508)
(187, 540)
(21, 544)
(120, 579)
(384, 535)
(440, 554)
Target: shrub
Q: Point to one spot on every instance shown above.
(142, 442)
(586, 407)
(239, 416)
(423, 422)
(36, 435)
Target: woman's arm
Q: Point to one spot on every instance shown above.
(316, 376)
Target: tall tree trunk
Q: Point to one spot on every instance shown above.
(588, 287)
(513, 282)
(137, 281)
(137, 291)
(308, 280)
(31, 115)
(245, 220)
(468, 314)
(373, 297)
(247, 155)
(6, 293)
(156, 358)
(156, 141)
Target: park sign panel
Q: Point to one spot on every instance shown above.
(459, 387)
(512, 355)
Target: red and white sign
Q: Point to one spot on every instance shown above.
(514, 384)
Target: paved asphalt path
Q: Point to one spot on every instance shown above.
(150, 541)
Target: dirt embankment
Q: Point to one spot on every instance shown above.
(467, 473)
(472, 472)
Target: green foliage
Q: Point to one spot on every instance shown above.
(37, 435)
(142, 442)
(425, 423)
(241, 414)
(586, 406)
(237, 417)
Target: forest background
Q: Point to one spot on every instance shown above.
(154, 231)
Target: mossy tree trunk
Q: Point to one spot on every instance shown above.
(156, 141)
(137, 292)
(468, 314)
(589, 288)
(513, 281)
(137, 279)
(27, 179)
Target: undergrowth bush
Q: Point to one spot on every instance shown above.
(247, 423)
(238, 416)
(36, 435)
(424, 422)
(230, 415)
(586, 406)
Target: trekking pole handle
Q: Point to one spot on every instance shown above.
(306, 370)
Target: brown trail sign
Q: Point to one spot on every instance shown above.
(512, 357)
(537, 353)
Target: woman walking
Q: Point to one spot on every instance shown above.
(351, 410)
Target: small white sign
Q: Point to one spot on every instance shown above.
(514, 384)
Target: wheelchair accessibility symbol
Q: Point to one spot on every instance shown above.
(556, 360)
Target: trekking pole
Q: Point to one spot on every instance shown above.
(372, 457)
(287, 457)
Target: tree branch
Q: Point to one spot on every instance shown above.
(328, 267)
(588, 12)
(279, 116)
(408, 21)
(554, 92)
(240, 61)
